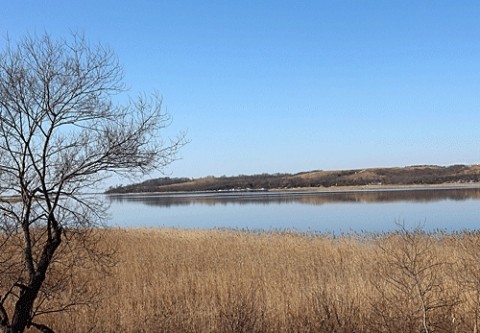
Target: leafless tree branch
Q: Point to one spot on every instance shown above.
(61, 132)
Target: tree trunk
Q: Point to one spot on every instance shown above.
(22, 315)
(24, 306)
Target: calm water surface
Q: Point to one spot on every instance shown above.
(372, 211)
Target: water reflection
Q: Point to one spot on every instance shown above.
(307, 198)
(372, 211)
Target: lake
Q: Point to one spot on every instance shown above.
(330, 212)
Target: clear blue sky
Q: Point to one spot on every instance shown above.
(289, 86)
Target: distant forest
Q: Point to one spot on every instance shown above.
(412, 175)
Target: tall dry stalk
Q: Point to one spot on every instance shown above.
(230, 281)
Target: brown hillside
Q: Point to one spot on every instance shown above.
(412, 175)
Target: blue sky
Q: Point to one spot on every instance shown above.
(290, 86)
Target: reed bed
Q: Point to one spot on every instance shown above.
(168, 280)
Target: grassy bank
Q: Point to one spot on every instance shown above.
(228, 281)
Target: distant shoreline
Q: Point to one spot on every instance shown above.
(361, 188)
(423, 176)
(313, 190)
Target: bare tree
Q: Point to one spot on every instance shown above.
(61, 132)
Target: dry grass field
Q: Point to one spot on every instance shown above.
(231, 281)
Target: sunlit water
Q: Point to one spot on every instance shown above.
(372, 211)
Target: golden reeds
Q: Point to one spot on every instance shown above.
(169, 280)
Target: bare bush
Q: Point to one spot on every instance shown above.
(412, 294)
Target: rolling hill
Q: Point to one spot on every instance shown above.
(401, 176)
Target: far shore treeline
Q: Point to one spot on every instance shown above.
(411, 175)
